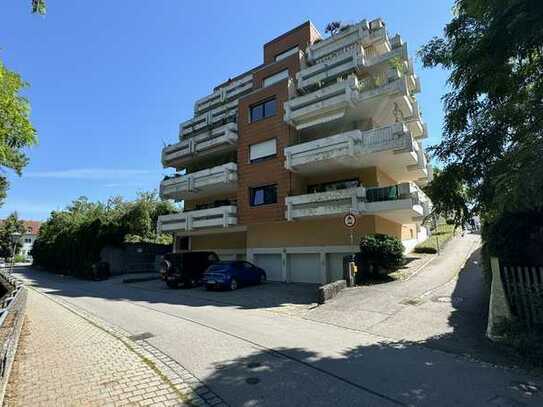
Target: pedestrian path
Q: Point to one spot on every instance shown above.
(67, 359)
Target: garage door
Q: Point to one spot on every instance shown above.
(334, 266)
(271, 263)
(304, 268)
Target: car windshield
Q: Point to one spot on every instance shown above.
(219, 267)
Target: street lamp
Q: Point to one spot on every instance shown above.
(15, 238)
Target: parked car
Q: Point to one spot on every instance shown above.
(233, 274)
(185, 268)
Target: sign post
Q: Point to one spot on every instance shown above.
(350, 222)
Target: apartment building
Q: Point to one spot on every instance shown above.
(275, 157)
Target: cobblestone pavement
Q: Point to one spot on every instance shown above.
(68, 357)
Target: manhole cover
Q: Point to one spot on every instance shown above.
(254, 365)
(252, 380)
(141, 337)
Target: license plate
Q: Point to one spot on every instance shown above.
(211, 282)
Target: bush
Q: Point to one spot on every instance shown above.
(379, 254)
(444, 232)
(19, 258)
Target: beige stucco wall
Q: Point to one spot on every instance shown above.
(409, 232)
(322, 232)
(219, 241)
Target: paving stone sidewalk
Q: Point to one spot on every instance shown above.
(67, 357)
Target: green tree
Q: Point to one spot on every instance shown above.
(10, 225)
(39, 7)
(16, 131)
(493, 133)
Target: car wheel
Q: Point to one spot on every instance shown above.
(233, 284)
(262, 279)
(172, 284)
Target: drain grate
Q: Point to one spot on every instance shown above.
(142, 336)
(252, 380)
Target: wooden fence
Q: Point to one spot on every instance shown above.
(523, 288)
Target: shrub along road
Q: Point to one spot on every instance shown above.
(251, 356)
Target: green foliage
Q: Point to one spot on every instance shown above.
(443, 232)
(16, 131)
(528, 344)
(10, 225)
(19, 258)
(71, 240)
(380, 253)
(493, 134)
(39, 7)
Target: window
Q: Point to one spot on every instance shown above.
(28, 240)
(263, 110)
(264, 195)
(263, 150)
(279, 76)
(286, 53)
(333, 186)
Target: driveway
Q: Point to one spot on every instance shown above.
(250, 356)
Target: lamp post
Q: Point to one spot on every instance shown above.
(15, 237)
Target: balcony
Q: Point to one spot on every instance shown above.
(201, 184)
(233, 90)
(385, 100)
(212, 142)
(364, 34)
(390, 148)
(225, 113)
(402, 203)
(351, 59)
(222, 216)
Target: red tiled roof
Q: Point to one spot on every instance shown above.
(32, 226)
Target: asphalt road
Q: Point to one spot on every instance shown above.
(255, 356)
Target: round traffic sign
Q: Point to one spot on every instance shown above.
(349, 220)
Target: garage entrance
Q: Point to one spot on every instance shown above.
(304, 268)
(271, 263)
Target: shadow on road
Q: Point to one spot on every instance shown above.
(267, 296)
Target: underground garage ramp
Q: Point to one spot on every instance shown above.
(271, 263)
(304, 268)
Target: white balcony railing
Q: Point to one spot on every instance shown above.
(224, 113)
(361, 33)
(219, 140)
(222, 216)
(332, 102)
(219, 179)
(350, 146)
(353, 59)
(233, 90)
(404, 203)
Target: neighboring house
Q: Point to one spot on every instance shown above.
(275, 157)
(32, 229)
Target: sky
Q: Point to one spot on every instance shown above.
(110, 81)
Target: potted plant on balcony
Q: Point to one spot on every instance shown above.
(379, 255)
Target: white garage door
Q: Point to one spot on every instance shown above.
(271, 263)
(304, 268)
(334, 266)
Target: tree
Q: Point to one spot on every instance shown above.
(493, 133)
(16, 131)
(10, 225)
(39, 7)
(332, 27)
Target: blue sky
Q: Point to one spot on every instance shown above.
(112, 80)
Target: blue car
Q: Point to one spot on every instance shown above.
(233, 274)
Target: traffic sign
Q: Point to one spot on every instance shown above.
(349, 220)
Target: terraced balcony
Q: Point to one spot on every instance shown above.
(391, 148)
(349, 60)
(361, 34)
(207, 144)
(222, 217)
(233, 90)
(201, 184)
(223, 114)
(401, 203)
(385, 101)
